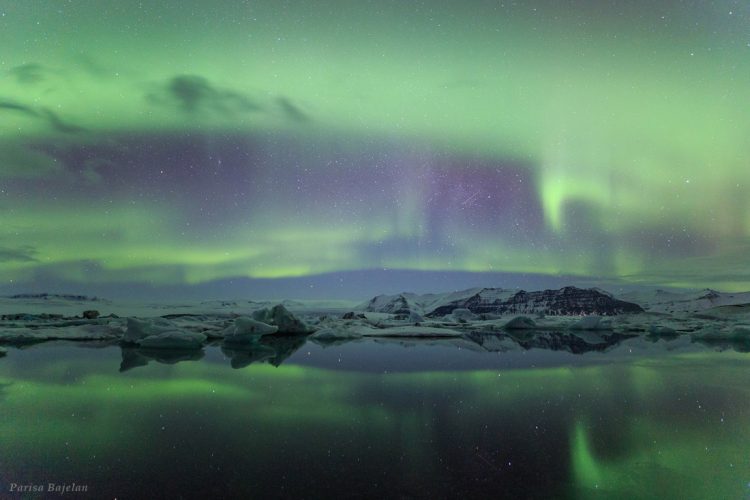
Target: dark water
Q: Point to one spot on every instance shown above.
(377, 419)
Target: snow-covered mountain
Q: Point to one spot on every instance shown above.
(406, 303)
(566, 301)
(563, 302)
(54, 296)
(666, 301)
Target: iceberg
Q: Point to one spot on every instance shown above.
(410, 331)
(81, 332)
(592, 323)
(520, 323)
(141, 328)
(247, 330)
(280, 316)
(336, 333)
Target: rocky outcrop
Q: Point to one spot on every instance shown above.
(398, 304)
(568, 301)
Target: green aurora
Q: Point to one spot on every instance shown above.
(605, 141)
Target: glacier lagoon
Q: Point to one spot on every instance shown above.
(408, 418)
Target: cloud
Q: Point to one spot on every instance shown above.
(195, 94)
(191, 91)
(21, 108)
(28, 74)
(59, 124)
(291, 111)
(52, 118)
(20, 254)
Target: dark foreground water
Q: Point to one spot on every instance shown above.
(376, 419)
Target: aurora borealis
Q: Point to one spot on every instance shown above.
(179, 143)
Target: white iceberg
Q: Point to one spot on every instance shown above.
(592, 323)
(79, 332)
(247, 330)
(415, 317)
(336, 333)
(409, 331)
(141, 328)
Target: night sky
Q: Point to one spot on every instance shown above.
(180, 144)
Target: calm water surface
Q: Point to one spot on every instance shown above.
(377, 419)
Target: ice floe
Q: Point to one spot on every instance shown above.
(592, 323)
(280, 317)
(245, 330)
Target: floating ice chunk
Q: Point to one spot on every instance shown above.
(520, 323)
(410, 316)
(90, 314)
(80, 332)
(592, 323)
(463, 315)
(244, 324)
(336, 333)
(3, 351)
(409, 331)
(87, 332)
(174, 339)
(279, 316)
(246, 330)
(140, 328)
(353, 315)
(21, 335)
